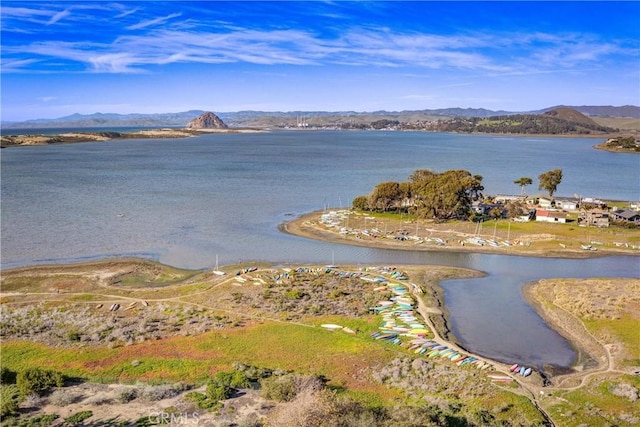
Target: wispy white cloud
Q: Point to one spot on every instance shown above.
(153, 22)
(58, 16)
(127, 12)
(113, 63)
(23, 12)
(17, 66)
(27, 16)
(155, 42)
(27, 20)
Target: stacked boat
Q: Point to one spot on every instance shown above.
(522, 370)
(433, 350)
(398, 313)
(390, 337)
(500, 378)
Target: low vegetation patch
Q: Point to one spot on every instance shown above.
(206, 340)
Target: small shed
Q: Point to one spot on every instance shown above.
(567, 204)
(545, 215)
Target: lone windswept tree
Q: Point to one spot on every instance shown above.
(523, 182)
(550, 180)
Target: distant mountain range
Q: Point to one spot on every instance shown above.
(294, 118)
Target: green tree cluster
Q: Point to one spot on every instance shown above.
(427, 194)
(624, 142)
(527, 124)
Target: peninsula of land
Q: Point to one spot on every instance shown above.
(74, 137)
(502, 236)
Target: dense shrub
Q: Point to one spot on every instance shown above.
(7, 376)
(201, 400)
(38, 381)
(43, 420)
(160, 392)
(221, 387)
(64, 397)
(9, 399)
(286, 387)
(235, 379)
(309, 408)
(78, 418)
(253, 373)
(128, 395)
(218, 392)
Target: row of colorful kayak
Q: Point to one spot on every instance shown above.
(399, 320)
(398, 312)
(522, 370)
(432, 350)
(388, 337)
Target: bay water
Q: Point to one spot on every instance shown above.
(185, 201)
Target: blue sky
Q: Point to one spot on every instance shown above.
(66, 57)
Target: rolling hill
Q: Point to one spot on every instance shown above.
(605, 116)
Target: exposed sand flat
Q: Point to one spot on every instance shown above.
(164, 133)
(94, 137)
(107, 135)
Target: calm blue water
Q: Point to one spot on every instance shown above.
(184, 201)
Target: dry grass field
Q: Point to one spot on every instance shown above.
(603, 316)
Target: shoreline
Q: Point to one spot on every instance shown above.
(588, 353)
(604, 147)
(20, 140)
(596, 354)
(16, 140)
(307, 226)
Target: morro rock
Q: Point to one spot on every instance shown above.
(206, 121)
